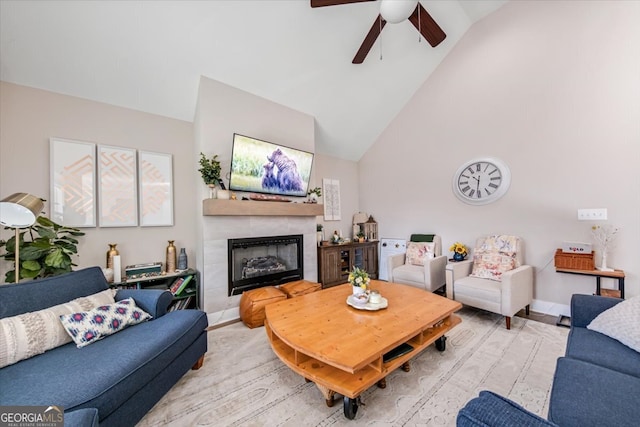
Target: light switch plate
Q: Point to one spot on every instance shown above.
(599, 214)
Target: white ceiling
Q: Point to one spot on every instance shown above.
(149, 56)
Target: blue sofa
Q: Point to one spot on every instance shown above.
(596, 383)
(122, 375)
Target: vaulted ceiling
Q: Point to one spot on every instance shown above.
(149, 56)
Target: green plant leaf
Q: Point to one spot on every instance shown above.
(31, 265)
(10, 276)
(44, 221)
(68, 239)
(31, 252)
(55, 258)
(45, 232)
(28, 274)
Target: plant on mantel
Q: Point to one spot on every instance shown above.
(47, 252)
(210, 170)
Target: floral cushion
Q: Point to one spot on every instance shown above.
(90, 326)
(418, 251)
(620, 322)
(29, 334)
(503, 244)
(491, 265)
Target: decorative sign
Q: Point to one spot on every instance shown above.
(331, 191)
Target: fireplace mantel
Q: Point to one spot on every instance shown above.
(220, 207)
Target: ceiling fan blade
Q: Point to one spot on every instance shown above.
(429, 29)
(323, 3)
(369, 40)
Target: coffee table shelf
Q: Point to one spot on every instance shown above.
(341, 349)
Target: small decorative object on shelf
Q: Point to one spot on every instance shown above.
(171, 258)
(336, 237)
(182, 259)
(459, 251)
(360, 280)
(111, 253)
(604, 236)
(312, 195)
(319, 234)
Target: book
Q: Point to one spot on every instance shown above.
(176, 285)
(182, 285)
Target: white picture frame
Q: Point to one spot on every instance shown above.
(117, 187)
(72, 198)
(155, 178)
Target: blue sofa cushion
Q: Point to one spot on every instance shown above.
(34, 295)
(490, 409)
(584, 394)
(599, 349)
(127, 361)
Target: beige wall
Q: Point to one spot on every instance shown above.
(29, 117)
(552, 89)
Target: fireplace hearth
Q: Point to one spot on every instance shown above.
(264, 261)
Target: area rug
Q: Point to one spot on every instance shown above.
(242, 382)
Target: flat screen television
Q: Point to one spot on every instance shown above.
(262, 167)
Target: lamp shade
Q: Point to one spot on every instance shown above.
(20, 210)
(395, 11)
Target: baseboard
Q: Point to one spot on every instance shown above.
(550, 308)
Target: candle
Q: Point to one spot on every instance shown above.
(117, 269)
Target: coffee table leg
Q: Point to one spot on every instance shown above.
(441, 343)
(382, 383)
(328, 394)
(406, 366)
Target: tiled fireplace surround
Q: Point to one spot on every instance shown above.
(217, 229)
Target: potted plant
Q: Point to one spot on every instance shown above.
(313, 194)
(210, 170)
(47, 252)
(360, 237)
(459, 251)
(359, 280)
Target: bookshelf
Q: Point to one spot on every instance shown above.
(186, 295)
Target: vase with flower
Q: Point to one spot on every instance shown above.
(604, 236)
(459, 251)
(359, 280)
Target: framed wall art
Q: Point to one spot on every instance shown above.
(155, 177)
(73, 182)
(331, 191)
(117, 189)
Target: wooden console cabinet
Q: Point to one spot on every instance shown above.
(335, 261)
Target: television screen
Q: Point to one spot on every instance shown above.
(262, 167)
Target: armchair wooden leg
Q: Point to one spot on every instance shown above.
(526, 309)
(198, 363)
(508, 319)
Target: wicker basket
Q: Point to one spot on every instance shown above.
(574, 261)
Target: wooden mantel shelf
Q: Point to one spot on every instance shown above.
(219, 207)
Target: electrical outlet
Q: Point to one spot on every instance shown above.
(592, 214)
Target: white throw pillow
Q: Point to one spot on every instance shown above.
(620, 322)
(29, 334)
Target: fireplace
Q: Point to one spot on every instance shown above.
(264, 261)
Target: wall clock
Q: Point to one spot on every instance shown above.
(481, 181)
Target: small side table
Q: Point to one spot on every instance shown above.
(616, 274)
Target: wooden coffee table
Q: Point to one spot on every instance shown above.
(341, 348)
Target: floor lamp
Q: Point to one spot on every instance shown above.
(19, 210)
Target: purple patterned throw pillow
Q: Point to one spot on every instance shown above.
(88, 326)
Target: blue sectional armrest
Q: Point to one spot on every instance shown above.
(153, 301)
(492, 410)
(585, 308)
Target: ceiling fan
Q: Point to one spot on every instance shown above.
(393, 11)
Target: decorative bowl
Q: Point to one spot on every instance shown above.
(360, 299)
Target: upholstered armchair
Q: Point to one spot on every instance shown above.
(495, 279)
(422, 266)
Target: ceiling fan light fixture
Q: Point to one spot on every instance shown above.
(395, 11)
